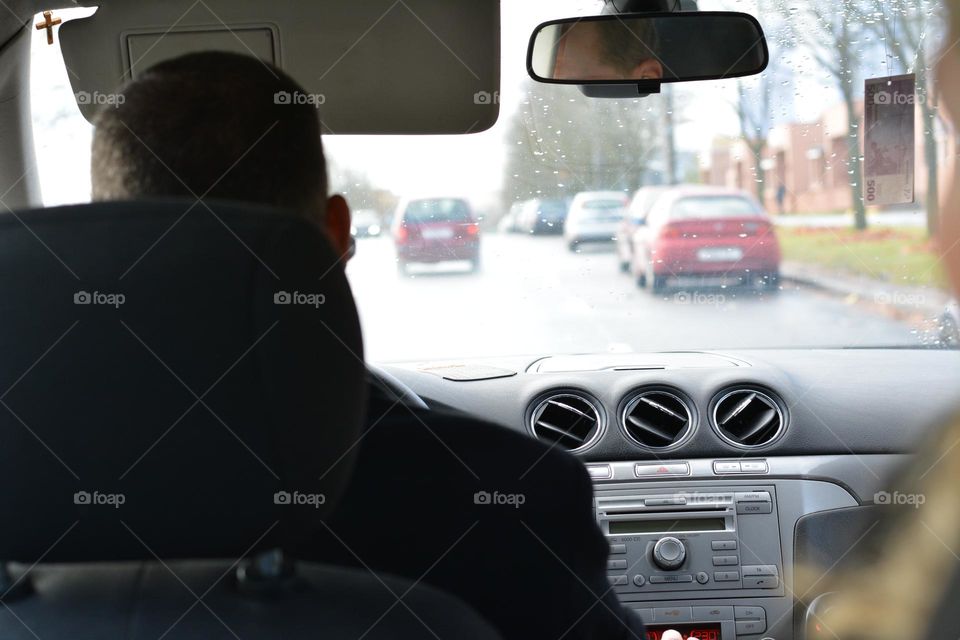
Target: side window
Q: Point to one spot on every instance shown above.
(61, 135)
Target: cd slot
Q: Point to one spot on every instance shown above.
(688, 519)
(666, 503)
(698, 508)
(637, 507)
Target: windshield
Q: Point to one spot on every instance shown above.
(833, 270)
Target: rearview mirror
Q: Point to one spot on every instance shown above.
(647, 49)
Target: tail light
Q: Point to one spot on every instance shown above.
(755, 228)
(670, 231)
(473, 229)
(402, 234)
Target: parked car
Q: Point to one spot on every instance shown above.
(431, 230)
(594, 217)
(509, 223)
(365, 223)
(636, 216)
(542, 217)
(706, 233)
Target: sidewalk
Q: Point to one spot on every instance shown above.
(907, 300)
(912, 218)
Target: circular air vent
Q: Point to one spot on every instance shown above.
(566, 419)
(748, 418)
(657, 419)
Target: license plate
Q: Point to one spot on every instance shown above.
(441, 233)
(720, 254)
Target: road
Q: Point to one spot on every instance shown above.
(533, 296)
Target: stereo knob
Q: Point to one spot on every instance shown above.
(669, 553)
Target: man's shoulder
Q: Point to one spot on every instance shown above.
(450, 436)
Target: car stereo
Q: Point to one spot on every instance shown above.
(702, 542)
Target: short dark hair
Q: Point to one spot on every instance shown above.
(628, 42)
(216, 124)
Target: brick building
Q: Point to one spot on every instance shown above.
(810, 159)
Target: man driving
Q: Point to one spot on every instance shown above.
(208, 125)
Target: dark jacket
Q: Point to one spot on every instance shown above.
(485, 513)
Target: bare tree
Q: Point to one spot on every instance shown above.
(752, 107)
(669, 135)
(833, 37)
(560, 142)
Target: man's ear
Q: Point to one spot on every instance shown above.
(649, 69)
(338, 225)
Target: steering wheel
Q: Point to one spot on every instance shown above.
(395, 389)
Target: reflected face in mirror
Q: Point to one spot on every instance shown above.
(602, 50)
(628, 49)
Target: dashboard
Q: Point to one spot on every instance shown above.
(717, 474)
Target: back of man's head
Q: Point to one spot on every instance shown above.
(213, 125)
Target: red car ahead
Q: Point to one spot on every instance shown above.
(429, 230)
(708, 235)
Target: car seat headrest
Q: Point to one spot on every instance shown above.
(178, 379)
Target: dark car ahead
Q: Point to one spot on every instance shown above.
(431, 230)
(543, 217)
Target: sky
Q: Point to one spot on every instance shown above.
(401, 163)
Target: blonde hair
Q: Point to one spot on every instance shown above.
(898, 593)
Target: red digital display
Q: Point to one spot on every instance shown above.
(700, 631)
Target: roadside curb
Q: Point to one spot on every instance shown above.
(906, 300)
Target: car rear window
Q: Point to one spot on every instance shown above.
(437, 210)
(603, 205)
(713, 207)
(553, 207)
(602, 210)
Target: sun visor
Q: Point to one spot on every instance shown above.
(373, 67)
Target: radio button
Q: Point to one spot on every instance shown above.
(712, 614)
(618, 548)
(671, 578)
(703, 578)
(672, 614)
(747, 508)
(617, 581)
(668, 469)
(616, 564)
(760, 570)
(750, 627)
(600, 471)
(755, 466)
(639, 580)
(750, 613)
(723, 545)
(645, 614)
(669, 553)
(726, 467)
(726, 576)
(752, 496)
(761, 582)
(724, 561)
